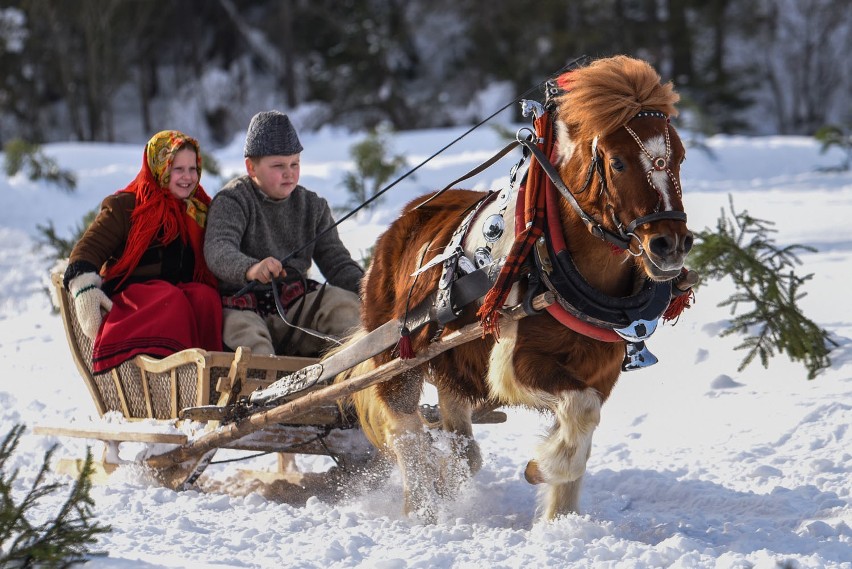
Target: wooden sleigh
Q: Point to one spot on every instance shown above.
(145, 389)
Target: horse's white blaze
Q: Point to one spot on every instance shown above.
(562, 456)
(656, 147)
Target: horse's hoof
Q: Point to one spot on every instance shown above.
(532, 474)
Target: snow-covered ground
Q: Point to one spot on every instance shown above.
(694, 464)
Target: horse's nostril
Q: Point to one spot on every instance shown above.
(688, 241)
(662, 246)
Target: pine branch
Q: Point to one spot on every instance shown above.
(767, 286)
(60, 541)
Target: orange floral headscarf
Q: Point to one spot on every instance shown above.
(158, 215)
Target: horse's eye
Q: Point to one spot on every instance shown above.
(616, 164)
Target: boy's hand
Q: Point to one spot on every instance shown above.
(264, 271)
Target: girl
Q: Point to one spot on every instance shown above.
(142, 261)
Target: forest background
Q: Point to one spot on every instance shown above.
(119, 70)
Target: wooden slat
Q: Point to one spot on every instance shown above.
(202, 393)
(165, 365)
(174, 393)
(125, 410)
(112, 435)
(146, 392)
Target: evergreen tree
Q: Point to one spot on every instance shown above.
(767, 288)
(373, 168)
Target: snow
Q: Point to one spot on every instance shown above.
(694, 464)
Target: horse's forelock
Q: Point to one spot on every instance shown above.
(606, 94)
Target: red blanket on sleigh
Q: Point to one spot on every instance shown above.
(158, 318)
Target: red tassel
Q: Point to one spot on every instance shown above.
(406, 350)
(488, 314)
(678, 304)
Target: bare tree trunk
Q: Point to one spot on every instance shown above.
(802, 44)
(680, 42)
(259, 47)
(288, 76)
(64, 54)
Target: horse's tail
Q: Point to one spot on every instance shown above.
(368, 407)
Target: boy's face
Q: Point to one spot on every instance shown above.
(276, 176)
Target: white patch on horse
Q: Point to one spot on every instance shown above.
(562, 456)
(502, 382)
(656, 147)
(565, 146)
(501, 379)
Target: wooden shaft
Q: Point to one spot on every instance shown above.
(304, 404)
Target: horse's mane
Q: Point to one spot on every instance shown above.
(606, 94)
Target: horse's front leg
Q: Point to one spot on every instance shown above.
(456, 419)
(462, 457)
(406, 435)
(560, 461)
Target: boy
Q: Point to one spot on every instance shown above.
(262, 217)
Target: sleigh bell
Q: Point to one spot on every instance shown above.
(637, 356)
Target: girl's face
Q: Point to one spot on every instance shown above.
(183, 177)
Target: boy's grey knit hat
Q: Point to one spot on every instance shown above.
(270, 133)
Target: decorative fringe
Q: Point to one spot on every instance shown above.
(489, 318)
(678, 304)
(406, 350)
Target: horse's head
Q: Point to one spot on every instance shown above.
(614, 120)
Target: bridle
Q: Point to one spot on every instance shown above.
(624, 233)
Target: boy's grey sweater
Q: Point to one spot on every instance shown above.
(245, 226)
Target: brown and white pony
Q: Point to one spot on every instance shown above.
(613, 111)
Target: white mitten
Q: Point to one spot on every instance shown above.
(88, 297)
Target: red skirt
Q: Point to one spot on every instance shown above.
(158, 318)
